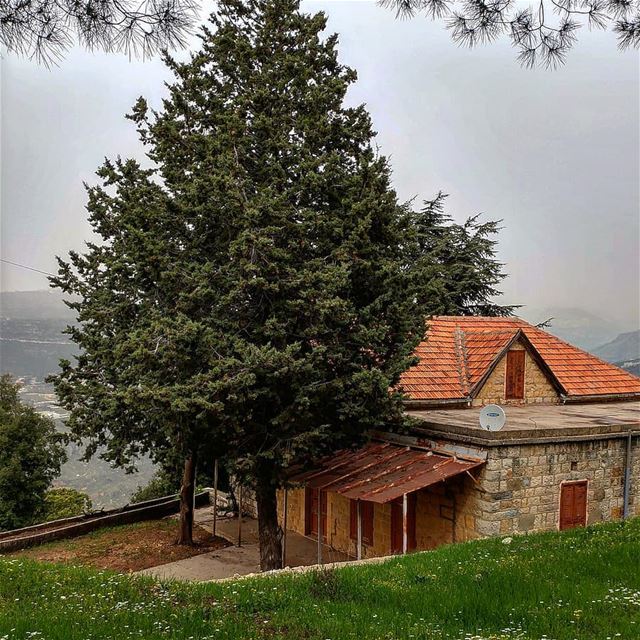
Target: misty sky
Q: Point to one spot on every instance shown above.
(555, 155)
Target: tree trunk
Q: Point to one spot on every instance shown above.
(187, 492)
(235, 509)
(269, 531)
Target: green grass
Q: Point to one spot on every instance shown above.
(577, 585)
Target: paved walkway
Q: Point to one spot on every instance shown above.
(238, 561)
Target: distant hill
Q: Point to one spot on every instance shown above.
(624, 351)
(626, 346)
(632, 366)
(576, 326)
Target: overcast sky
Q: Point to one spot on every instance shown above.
(555, 155)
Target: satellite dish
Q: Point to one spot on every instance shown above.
(492, 417)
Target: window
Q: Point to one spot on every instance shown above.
(366, 509)
(514, 383)
(573, 504)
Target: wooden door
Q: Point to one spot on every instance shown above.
(396, 524)
(514, 384)
(311, 511)
(573, 504)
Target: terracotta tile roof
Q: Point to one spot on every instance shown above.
(459, 350)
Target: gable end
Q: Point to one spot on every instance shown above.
(540, 385)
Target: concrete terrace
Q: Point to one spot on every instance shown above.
(239, 561)
(534, 421)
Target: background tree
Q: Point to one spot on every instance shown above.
(542, 33)
(31, 454)
(46, 29)
(454, 269)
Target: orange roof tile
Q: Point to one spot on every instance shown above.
(459, 350)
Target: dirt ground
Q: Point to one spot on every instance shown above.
(127, 547)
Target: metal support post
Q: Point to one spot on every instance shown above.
(215, 495)
(359, 513)
(405, 524)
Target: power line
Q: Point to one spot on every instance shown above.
(24, 266)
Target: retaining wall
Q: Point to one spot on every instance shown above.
(72, 527)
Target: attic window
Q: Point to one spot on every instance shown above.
(514, 382)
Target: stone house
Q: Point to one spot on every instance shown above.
(567, 455)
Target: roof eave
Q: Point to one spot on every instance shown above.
(601, 397)
(412, 403)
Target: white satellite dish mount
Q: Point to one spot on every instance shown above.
(492, 417)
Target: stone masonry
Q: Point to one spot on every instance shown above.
(519, 488)
(516, 491)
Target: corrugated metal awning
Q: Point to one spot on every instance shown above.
(381, 471)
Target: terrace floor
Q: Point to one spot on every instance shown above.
(537, 420)
(241, 560)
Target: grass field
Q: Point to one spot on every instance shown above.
(578, 585)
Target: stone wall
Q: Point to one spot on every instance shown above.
(295, 510)
(520, 485)
(338, 523)
(518, 490)
(444, 514)
(537, 388)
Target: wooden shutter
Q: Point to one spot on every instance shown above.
(311, 512)
(367, 521)
(573, 505)
(311, 522)
(514, 385)
(323, 515)
(396, 524)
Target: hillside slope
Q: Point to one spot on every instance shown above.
(576, 326)
(624, 347)
(583, 584)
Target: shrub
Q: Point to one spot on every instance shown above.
(31, 454)
(65, 502)
(162, 484)
(325, 584)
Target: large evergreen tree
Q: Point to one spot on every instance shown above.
(255, 292)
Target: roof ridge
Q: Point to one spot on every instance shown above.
(462, 361)
(482, 318)
(491, 332)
